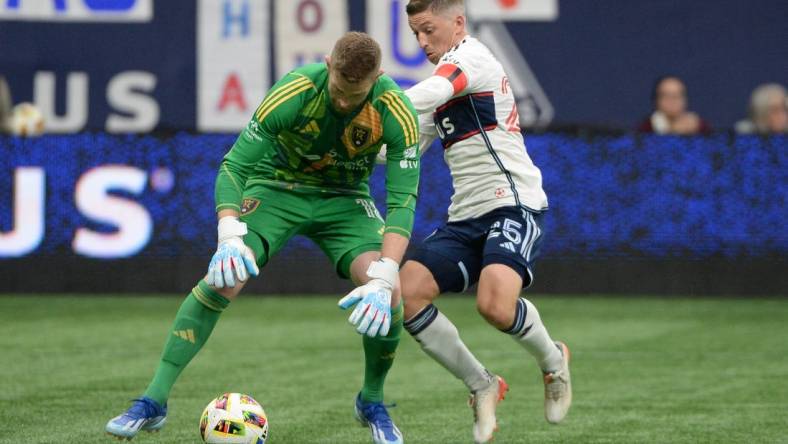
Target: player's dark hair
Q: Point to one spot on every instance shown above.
(437, 6)
(356, 56)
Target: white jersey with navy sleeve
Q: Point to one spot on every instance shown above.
(480, 133)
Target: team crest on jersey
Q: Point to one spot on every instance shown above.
(359, 135)
(364, 131)
(248, 205)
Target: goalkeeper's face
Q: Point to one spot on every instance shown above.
(437, 32)
(346, 95)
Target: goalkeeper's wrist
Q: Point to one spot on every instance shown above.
(385, 269)
(230, 226)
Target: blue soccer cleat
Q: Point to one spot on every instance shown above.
(375, 416)
(145, 414)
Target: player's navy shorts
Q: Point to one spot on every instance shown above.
(456, 252)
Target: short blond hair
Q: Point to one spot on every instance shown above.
(436, 6)
(356, 56)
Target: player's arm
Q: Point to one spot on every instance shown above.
(372, 315)
(275, 113)
(401, 134)
(427, 135)
(447, 81)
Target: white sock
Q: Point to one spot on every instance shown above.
(529, 331)
(440, 339)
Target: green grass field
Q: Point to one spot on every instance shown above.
(644, 370)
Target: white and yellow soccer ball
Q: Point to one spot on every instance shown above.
(234, 418)
(26, 120)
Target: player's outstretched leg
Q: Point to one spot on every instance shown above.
(440, 339)
(499, 302)
(379, 356)
(552, 357)
(193, 323)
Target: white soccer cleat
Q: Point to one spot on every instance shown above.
(558, 389)
(484, 402)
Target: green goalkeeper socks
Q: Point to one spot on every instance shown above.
(198, 315)
(379, 356)
(193, 325)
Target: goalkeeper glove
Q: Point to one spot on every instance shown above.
(372, 315)
(232, 258)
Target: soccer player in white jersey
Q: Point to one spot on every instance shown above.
(494, 228)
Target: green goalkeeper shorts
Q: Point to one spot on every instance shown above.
(343, 226)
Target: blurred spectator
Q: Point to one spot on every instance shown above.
(670, 114)
(5, 106)
(768, 111)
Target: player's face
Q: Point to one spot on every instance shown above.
(436, 33)
(345, 95)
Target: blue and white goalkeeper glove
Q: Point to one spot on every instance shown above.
(232, 258)
(372, 315)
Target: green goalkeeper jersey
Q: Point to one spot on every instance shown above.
(296, 140)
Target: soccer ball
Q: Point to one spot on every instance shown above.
(26, 120)
(234, 418)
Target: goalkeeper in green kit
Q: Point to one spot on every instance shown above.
(302, 166)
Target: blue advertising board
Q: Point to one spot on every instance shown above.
(110, 197)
